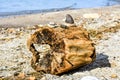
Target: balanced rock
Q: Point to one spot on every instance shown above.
(58, 50)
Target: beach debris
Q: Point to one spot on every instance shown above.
(68, 22)
(89, 78)
(103, 29)
(113, 64)
(91, 15)
(17, 76)
(52, 24)
(64, 49)
(23, 76)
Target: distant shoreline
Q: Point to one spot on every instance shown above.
(25, 12)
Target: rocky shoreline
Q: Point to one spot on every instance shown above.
(103, 25)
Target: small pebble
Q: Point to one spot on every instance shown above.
(21, 75)
(64, 26)
(11, 30)
(114, 76)
(52, 24)
(113, 64)
(16, 74)
(89, 78)
(32, 78)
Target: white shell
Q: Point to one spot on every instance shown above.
(89, 78)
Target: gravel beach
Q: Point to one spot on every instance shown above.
(103, 25)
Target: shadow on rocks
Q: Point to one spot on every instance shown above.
(101, 61)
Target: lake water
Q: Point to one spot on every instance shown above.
(12, 6)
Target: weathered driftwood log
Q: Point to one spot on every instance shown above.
(66, 49)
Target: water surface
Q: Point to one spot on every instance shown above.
(29, 6)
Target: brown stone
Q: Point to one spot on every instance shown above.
(58, 50)
(11, 30)
(114, 76)
(32, 78)
(21, 75)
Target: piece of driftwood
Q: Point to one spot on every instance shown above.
(58, 50)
